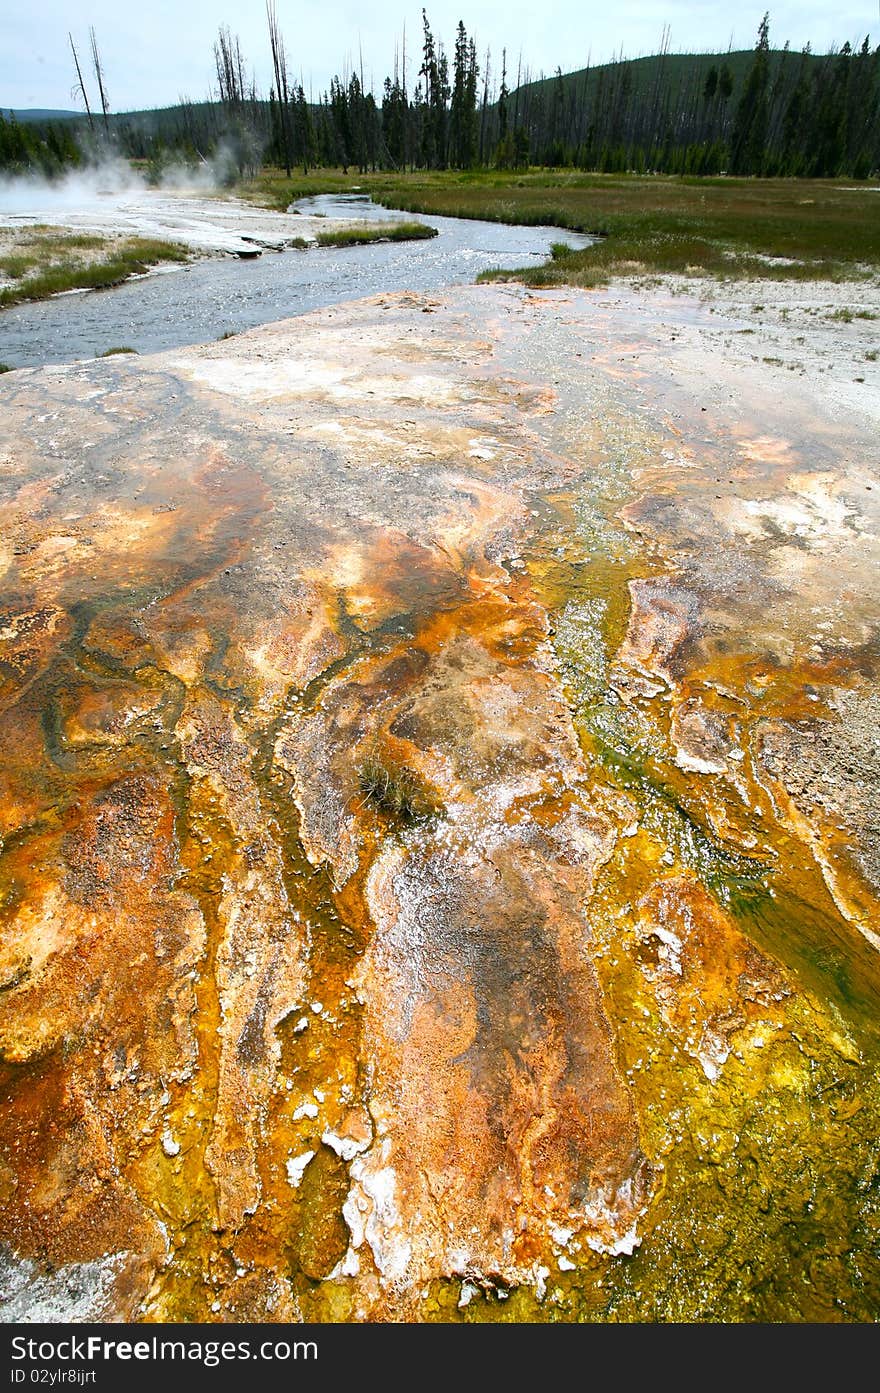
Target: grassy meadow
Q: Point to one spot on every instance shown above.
(726, 228)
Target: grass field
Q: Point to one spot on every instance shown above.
(784, 228)
(42, 261)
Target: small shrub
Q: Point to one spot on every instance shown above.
(394, 790)
(110, 352)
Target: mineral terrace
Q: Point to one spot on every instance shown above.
(439, 824)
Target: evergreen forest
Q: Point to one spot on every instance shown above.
(762, 112)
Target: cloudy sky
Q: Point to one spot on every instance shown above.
(153, 53)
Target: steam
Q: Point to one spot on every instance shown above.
(29, 196)
(171, 204)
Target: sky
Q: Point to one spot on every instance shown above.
(155, 53)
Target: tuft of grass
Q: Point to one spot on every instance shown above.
(14, 265)
(40, 247)
(80, 241)
(5, 367)
(363, 233)
(110, 352)
(847, 315)
(131, 258)
(394, 790)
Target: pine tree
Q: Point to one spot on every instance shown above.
(99, 78)
(428, 70)
(304, 135)
(750, 127)
(795, 120)
(341, 124)
(80, 85)
(862, 110)
(357, 123)
(463, 112)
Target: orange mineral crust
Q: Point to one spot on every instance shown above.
(438, 876)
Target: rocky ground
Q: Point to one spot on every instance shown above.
(439, 789)
(825, 332)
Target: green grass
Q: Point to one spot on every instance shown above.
(847, 315)
(132, 257)
(38, 246)
(17, 264)
(5, 367)
(83, 241)
(363, 233)
(111, 352)
(646, 225)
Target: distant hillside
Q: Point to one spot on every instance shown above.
(644, 75)
(40, 113)
(162, 120)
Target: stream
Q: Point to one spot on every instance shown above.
(218, 296)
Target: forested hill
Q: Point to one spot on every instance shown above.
(41, 114)
(682, 70)
(752, 111)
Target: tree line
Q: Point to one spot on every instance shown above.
(758, 112)
(766, 113)
(47, 148)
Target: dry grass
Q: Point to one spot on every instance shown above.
(394, 790)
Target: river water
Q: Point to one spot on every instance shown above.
(223, 295)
